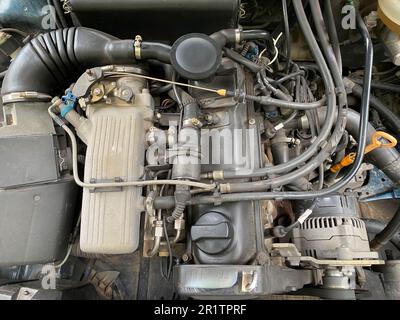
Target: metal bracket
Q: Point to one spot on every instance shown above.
(26, 293)
(110, 189)
(378, 187)
(294, 258)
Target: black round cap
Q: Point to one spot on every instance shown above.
(212, 233)
(196, 56)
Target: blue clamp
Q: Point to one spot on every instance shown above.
(69, 101)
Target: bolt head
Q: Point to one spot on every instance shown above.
(186, 257)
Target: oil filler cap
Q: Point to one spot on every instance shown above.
(212, 233)
(195, 56)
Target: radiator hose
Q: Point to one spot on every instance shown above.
(388, 160)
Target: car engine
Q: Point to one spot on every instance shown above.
(199, 149)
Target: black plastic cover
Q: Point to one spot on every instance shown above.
(211, 233)
(35, 222)
(196, 56)
(335, 205)
(157, 20)
(239, 245)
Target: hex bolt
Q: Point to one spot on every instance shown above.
(97, 91)
(186, 257)
(195, 122)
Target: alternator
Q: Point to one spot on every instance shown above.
(334, 232)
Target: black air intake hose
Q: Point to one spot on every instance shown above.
(388, 160)
(50, 61)
(387, 115)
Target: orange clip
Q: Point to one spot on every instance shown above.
(346, 161)
(375, 143)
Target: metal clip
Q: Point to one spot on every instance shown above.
(138, 45)
(111, 189)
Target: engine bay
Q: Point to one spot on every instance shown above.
(200, 150)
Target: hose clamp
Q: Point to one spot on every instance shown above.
(240, 95)
(218, 175)
(159, 228)
(225, 188)
(137, 44)
(25, 96)
(237, 36)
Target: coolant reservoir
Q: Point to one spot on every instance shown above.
(389, 13)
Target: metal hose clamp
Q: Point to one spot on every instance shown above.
(138, 46)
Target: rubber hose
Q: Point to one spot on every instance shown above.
(332, 31)
(328, 51)
(387, 160)
(387, 115)
(60, 13)
(380, 85)
(287, 34)
(52, 60)
(231, 36)
(375, 226)
(253, 67)
(178, 212)
(387, 233)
